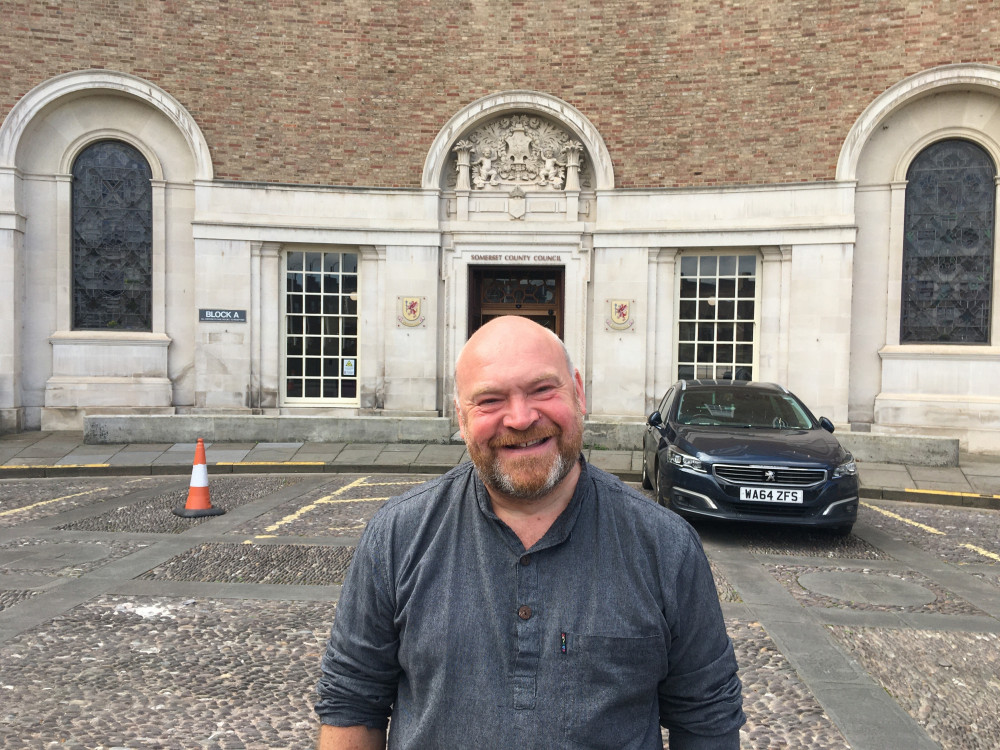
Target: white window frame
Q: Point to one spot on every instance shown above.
(758, 280)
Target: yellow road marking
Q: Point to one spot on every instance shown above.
(330, 499)
(327, 499)
(932, 530)
(268, 463)
(949, 492)
(928, 529)
(54, 500)
(981, 551)
(57, 466)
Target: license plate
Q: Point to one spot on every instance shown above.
(770, 495)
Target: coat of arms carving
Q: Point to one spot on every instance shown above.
(522, 151)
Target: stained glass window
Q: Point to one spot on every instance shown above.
(112, 239)
(948, 245)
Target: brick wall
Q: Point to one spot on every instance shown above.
(693, 92)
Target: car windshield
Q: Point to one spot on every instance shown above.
(742, 407)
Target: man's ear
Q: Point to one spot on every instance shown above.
(461, 418)
(581, 394)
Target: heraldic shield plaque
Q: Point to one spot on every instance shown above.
(620, 311)
(411, 312)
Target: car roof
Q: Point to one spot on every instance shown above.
(685, 385)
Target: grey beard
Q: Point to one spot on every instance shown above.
(503, 482)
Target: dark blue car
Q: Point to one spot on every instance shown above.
(748, 451)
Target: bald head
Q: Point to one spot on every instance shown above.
(500, 338)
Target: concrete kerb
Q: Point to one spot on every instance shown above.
(934, 497)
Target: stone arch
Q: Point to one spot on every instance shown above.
(57, 89)
(519, 102)
(956, 77)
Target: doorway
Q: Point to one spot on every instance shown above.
(534, 292)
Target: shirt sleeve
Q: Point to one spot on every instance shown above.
(701, 700)
(360, 668)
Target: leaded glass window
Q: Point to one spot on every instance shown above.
(948, 245)
(112, 239)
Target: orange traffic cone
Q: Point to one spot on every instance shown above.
(198, 502)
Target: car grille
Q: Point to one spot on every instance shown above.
(783, 476)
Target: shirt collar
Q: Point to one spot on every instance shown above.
(560, 529)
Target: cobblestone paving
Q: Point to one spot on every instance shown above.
(339, 507)
(24, 501)
(963, 531)
(249, 563)
(156, 515)
(162, 672)
(90, 556)
(10, 597)
(781, 711)
(175, 672)
(725, 589)
(949, 682)
(165, 673)
(794, 541)
(945, 602)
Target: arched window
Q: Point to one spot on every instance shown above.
(112, 239)
(948, 245)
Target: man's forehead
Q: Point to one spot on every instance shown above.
(481, 382)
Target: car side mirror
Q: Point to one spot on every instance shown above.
(826, 424)
(655, 421)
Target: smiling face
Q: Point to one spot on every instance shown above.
(519, 408)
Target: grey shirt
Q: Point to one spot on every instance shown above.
(607, 627)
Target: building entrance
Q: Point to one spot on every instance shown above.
(534, 292)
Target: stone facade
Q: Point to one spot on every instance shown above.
(594, 147)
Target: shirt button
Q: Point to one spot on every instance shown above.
(526, 560)
(524, 612)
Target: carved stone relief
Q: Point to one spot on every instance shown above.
(519, 151)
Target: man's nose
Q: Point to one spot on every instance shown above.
(520, 414)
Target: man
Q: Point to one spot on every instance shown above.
(528, 599)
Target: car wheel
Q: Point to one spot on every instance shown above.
(842, 531)
(646, 484)
(660, 499)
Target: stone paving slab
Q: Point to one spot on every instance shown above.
(611, 460)
(135, 458)
(441, 455)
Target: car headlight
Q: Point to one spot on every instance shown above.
(846, 469)
(683, 460)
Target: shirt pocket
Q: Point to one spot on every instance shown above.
(610, 689)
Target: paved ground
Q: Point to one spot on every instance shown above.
(974, 483)
(124, 625)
